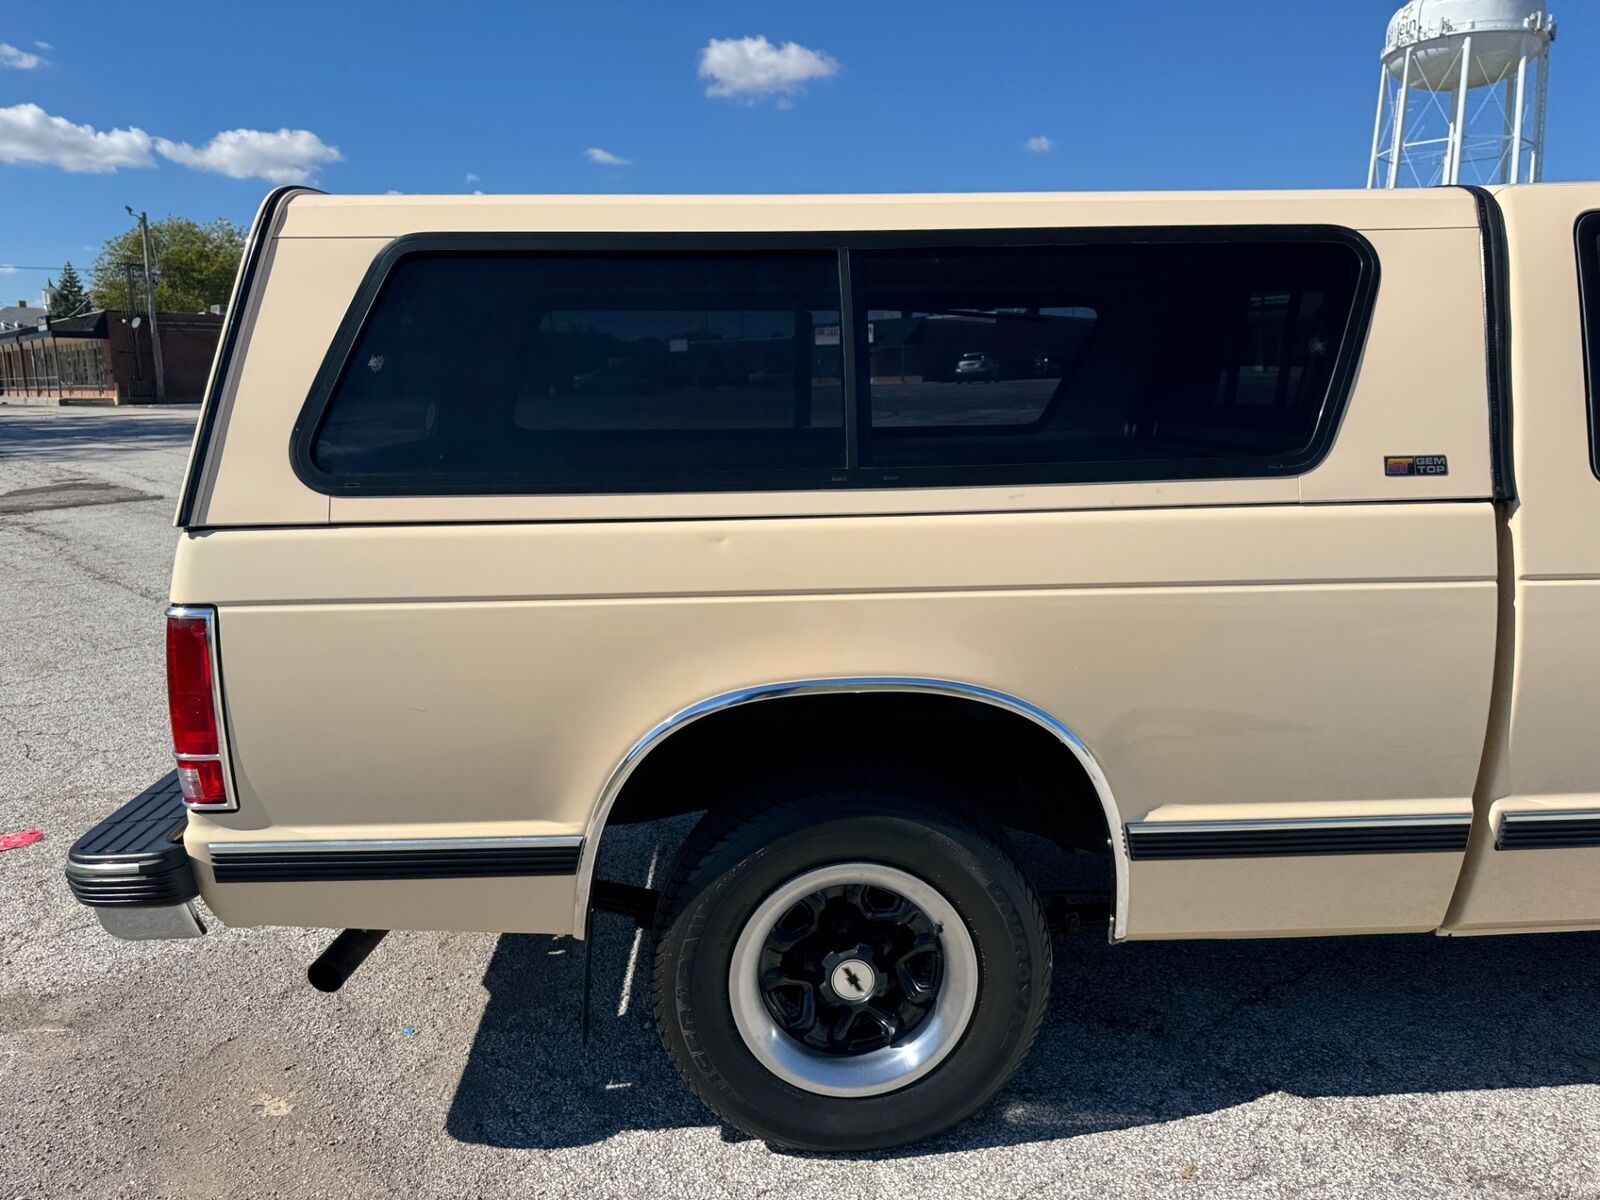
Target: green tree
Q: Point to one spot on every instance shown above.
(193, 265)
(68, 296)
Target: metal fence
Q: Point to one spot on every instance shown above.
(60, 368)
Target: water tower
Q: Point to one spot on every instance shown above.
(1461, 95)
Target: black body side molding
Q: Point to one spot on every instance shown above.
(314, 866)
(1548, 831)
(1168, 840)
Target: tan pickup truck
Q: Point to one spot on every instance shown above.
(1240, 547)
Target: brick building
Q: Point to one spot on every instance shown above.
(104, 357)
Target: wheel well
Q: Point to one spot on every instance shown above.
(1025, 776)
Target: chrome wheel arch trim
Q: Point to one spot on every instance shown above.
(853, 685)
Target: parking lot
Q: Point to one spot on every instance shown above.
(451, 1064)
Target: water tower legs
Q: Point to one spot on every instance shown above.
(1398, 144)
(1536, 164)
(1458, 123)
(1462, 94)
(1377, 126)
(1514, 175)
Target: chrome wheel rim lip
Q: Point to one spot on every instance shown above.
(877, 1071)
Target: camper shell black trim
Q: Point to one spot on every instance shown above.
(216, 385)
(853, 476)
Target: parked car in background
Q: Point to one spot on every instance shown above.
(1282, 613)
(977, 366)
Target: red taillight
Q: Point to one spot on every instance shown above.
(192, 704)
(189, 696)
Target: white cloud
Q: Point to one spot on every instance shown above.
(7, 269)
(1039, 145)
(28, 134)
(474, 177)
(18, 60)
(287, 156)
(750, 68)
(605, 158)
(44, 46)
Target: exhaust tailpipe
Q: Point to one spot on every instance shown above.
(344, 954)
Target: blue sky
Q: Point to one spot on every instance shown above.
(510, 98)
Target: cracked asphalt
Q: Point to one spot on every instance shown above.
(451, 1064)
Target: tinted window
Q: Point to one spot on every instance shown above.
(570, 372)
(1135, 356)
(1174, 356)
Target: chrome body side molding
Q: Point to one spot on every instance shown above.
(1276, 837)
(850, 685)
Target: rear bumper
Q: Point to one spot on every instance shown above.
(132, 868)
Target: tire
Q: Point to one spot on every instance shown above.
(938, 933)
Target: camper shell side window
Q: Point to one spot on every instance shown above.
(912, 360)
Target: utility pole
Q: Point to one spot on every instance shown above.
(133, 333)
(150, 305)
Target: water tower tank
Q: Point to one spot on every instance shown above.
(1461, 93)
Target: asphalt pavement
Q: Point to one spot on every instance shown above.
(451, 1064)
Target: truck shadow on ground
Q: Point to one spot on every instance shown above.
(1136, 1034)
(37, 436)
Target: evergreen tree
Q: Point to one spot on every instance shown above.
(68, 296)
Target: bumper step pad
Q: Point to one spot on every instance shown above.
(135, 857)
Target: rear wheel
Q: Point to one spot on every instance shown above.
(853, 970)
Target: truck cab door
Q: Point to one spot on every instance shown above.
(1534, 858)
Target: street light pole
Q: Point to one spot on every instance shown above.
(150, 305)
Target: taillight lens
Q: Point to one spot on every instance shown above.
(201, 781)
(192, 705)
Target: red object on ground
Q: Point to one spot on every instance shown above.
(23, 837)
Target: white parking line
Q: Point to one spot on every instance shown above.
(638, 939)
